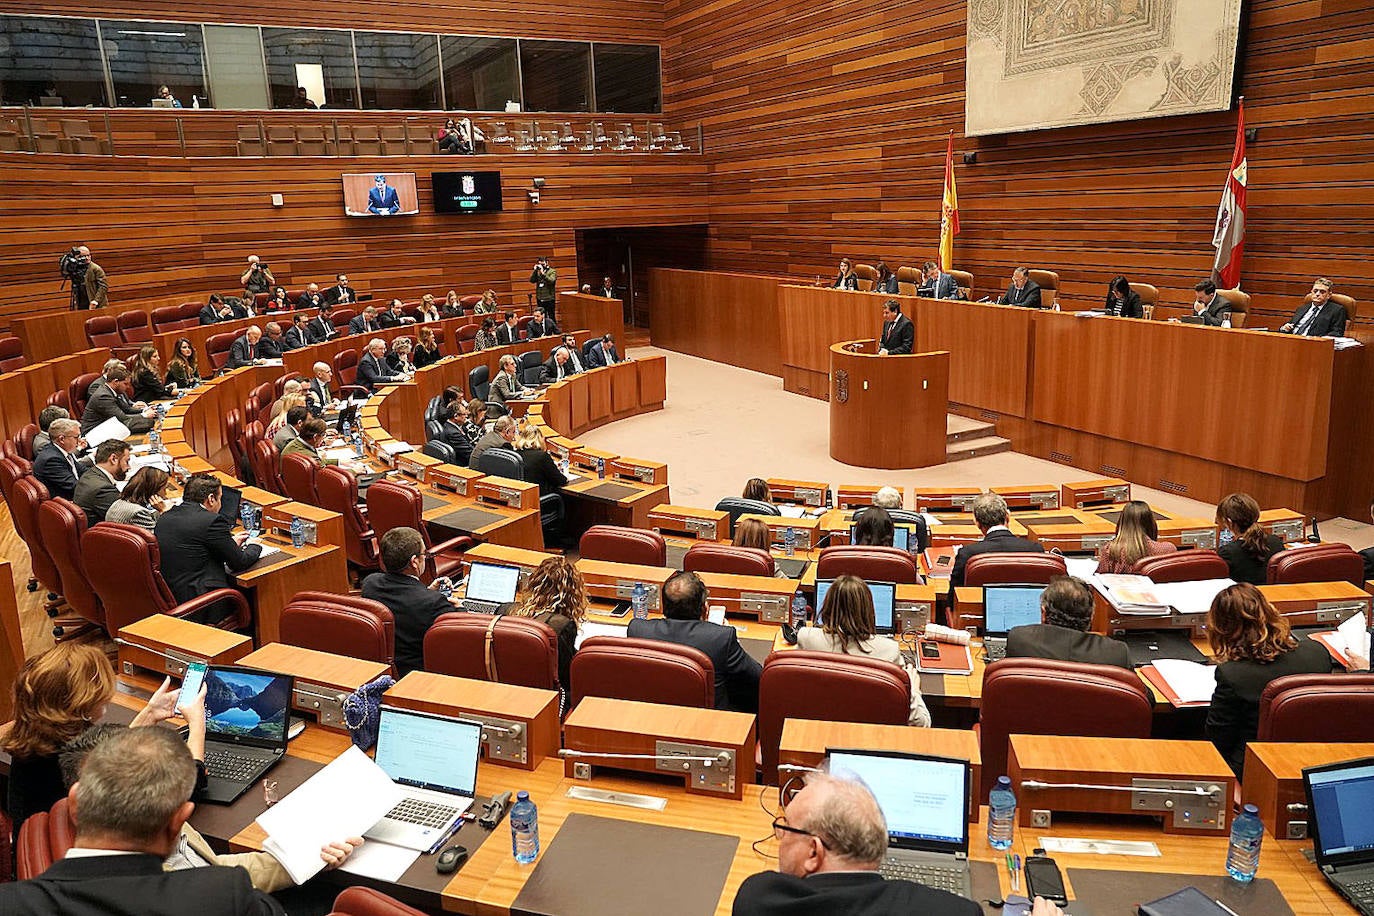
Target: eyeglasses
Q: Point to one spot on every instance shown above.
(780, 826)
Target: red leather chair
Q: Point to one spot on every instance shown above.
(11, 470)
(1033, 696)
(798, 684)
(24, 440)
(393, 505)
(724, 558)
(524, 651)
(129, 580)
(279, 385)
(165, 318)
(364, 901)
(43, 839)
(624, 545)
(340, 624)
(267, 467)
(346, 368)
(879, 564)
(61, 525)
(469, 303)
(188, 315)
(233, 437)
(1316, 563)
(466, 335)
(59, 399)
(1318, 707)
(9, 450)
(76, 392)
(252, 434)
(647, 670)
(340, 318)
(298, 477)
(11, 354)
(26, 495)
(1014, 568)
(338, 492)
(134, 327)
(1183, 566)
(103, 331)
(217, 348)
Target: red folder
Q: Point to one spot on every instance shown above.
(1151, 674)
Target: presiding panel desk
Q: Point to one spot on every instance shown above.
(887, 411)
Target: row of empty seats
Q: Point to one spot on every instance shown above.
(420, 138)
(38, 135)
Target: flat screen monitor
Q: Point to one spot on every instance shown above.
(466, 192)
(380, 194)
(903, 536)
(884, 603)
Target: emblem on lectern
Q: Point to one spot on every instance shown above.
(842, 386)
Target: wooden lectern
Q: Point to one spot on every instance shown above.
(887, 411)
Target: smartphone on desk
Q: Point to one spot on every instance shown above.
(1044, 880)
(930, 649)
(191, 682)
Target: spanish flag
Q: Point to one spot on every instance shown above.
(949, 211)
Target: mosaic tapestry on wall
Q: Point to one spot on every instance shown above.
(1055, 63)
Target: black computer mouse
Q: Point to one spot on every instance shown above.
(451, 859)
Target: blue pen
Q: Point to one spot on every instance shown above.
(1016, 873)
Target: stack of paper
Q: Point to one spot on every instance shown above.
(1192, 597)
(1190, 682)
(1081, 567)
(1349, 644)
(110, 429)
(397, 448)
(1131, 595)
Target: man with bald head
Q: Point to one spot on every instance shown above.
(96, 285)
(244, 350)
(831, 840)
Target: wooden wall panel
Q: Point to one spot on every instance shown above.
(730, 318)
(826, 126)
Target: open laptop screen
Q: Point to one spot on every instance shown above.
(1009, 606)
(243, 705)
(230, 500)
(488, 582)
(902, 536)
(1342, 797)
(884, 602)
(924, 799)
(429, 752)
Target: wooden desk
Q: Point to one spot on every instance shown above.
(323, 680)
(320, 568)
(868, 390)
(1273, 780)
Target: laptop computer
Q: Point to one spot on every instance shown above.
(1004, 607)
(1339, 799)
(884, 603)
(925, 803)
(903, 536)
(434, 759)
(246, 718)
(230, 498)
(490, 586)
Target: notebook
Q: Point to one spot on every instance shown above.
(884, 603)
(434, 760)
(925, 803)
(1339, 799)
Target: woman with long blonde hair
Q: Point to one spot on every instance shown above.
(1137, 537)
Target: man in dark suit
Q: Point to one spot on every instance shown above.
(321, 328)
(382, 199)
(506, 332)
(398, 586)
(832, 838)
(310, 298)
(96, 491)
(216, 310)
(936, 284)
(320, 394)
(108, 397)
(364, 323)
(373, 369)
(393, 317)
(340, 293)
(130, 801)
(607, 290)
(242, 308)
(1209, 306)
(458, 432)
(1320, 317)
(56, 465)
(541, 326)
(545, 277)
(990, 514)
(298, 335)
(501, 435)
(899, 334)
(559, 366)
(684, 622)
(244, 350)
(603, 354)
(574, 353)
(198, 545)
(1066, 606)
(273, 343)
(1023, 291)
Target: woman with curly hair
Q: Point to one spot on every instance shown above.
(557, 596)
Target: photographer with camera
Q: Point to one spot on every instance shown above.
(257, 278)
(90, 289)
(543, 277)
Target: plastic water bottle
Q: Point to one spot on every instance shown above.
(1242, 856)
(601, 468)
(357, 443)
(1226, 323)
(800, 610)
(347, 430)
(297, 532)
(639, 600)
(155, 439)
(524, 829)
(246, 515)
(1001, 814)
(789, 541)
(564, 465)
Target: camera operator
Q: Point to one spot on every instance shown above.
(543, 277)
(72, 266)
(257, 278)
(90, 289)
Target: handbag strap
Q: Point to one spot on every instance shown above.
(490, 645)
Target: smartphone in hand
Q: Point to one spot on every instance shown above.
(191, 682)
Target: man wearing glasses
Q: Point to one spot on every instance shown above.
(831, 840)
(56, 466)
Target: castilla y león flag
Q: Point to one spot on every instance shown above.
(1229, 236)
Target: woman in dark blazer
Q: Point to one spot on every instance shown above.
(539, 466)
(846, 278)
(147, 376)
(1246, 547)
(887, 280)
(556, 596)
(426, 352)
(1253, 645)
(1121, 301)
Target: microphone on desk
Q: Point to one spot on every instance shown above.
(723, 758)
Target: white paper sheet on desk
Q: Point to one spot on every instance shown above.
(931, 521)
(1191, 597)
(342, 800)
(1082, 845)
(397, 448)
(1191, 682)
(339, 454)
(789, 511)
(1355, 635)
(110, 429)
(149, 461)
(380, 860)
(1081, 567)
(592, 628)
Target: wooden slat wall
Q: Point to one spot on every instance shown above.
(171, 230)
(826, 127)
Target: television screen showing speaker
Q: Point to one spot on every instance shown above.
(466, 192)
(381, 194)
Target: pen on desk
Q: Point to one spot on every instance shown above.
(449, 834)
(1226, 908)
(1011, 873)
(1016, 875)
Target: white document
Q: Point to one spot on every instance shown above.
(339, 454)
(149, 461)
(344, 799)
(110, 429)
(591, 628)
(1101, 847)
(1190, 682)
(1081, 567)
(380, 860)
(1132, 595)
(1192, 597)
(397, 448)
(1355, 635)
(931, 521)
(790, 511)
